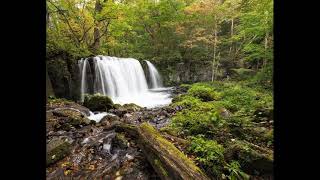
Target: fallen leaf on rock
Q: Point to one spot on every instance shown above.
(91, 167)
(66, 172)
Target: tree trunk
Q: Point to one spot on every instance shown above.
(96, 31)
(165, 158)
(231, 35)
(265, 50)
(217, 65)
(214, 48)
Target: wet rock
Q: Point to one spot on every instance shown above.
(98, 102)
(131, 107)
(108, 120)
(66, 104)
(66, 119)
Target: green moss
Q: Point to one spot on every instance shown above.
(120, 140)
(116, 106)
(160, 167)
(98, 102)
(204, 92)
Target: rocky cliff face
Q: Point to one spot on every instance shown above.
(184, 72)
(63, 73)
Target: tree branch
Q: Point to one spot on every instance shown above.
(67, 21)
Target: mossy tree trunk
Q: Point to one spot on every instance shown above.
(165, 158)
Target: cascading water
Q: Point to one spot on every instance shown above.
(123, 80)
(155, 77)
(83, 63)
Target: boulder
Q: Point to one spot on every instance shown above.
(126, 108)
(108, 120)
(66, 104)
(98, 102)
(65, 119)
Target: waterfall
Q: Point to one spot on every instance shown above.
(83, 63)
(123, 80)
(155, 77)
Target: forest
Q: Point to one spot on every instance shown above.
(159, 89)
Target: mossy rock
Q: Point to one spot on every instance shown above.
(57, 149)
(120, 141)
(98, 102)
(131, 107)
(65, 104)
(253, 159)
(71, 118)
(117, 106)
(108, 120)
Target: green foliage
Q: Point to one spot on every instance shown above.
(243, 73)
(192, 122)
(203, 92)
(165, 31)
(209, 153)
(235, 171)
(186, 101)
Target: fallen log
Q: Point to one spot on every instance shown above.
(168, 162)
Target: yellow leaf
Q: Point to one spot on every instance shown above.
(91, 167)
(67, 172)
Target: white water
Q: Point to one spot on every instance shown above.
(83, 67)
(123, 80)
(155, 77)
(97, 117)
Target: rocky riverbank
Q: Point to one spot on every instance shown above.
(81, 148)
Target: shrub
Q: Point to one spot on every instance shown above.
(235, 172)
(204, 93)
(209, 153)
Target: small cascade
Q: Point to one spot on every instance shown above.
(156, 80)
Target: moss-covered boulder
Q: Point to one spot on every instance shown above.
(98, 102)
(57, 149)
(108, 120)
(253, 159)
(117, 106)
(58, 103)
(72, 117)
(121, 110)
